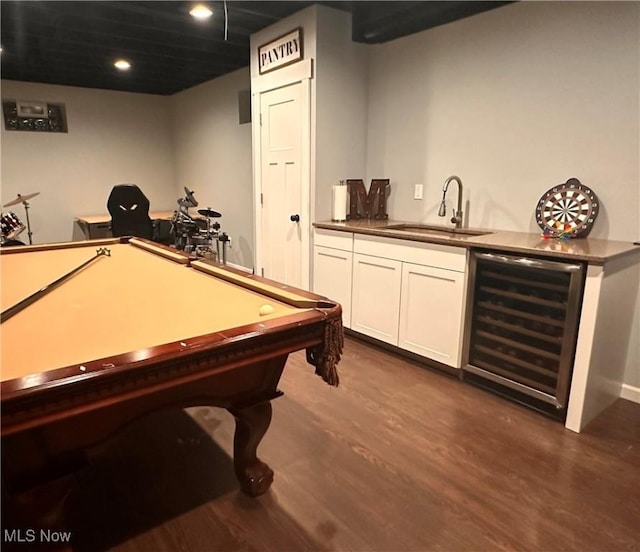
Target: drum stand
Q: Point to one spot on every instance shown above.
(225, 240)
(26, 212)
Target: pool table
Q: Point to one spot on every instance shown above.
(140, 329)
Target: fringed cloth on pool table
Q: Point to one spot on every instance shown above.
(325, 357)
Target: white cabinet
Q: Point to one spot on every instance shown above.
(332, 273)
(333, 268)
(431, 312)
(376, 297)
(410, 294)
(405, 293)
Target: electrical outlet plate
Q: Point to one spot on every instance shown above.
(417, 191)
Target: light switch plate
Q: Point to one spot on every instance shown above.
(417, 191)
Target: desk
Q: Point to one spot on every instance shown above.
(144, 329)
(99, 226)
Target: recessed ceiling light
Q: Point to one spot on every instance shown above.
(122, 64)
(201, 12)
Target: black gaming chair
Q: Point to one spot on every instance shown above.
(129, 210)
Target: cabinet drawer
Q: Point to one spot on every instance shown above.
(333, 239)
(422, 253)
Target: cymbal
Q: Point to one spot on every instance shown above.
(209, 213)
(21, 199)
(190, 197)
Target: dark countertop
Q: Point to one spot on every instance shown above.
(594, 251)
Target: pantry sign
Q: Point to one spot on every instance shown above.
(282, 51)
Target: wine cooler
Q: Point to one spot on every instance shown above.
(522, 328)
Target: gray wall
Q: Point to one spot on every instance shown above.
(514, 101)
(212, 154)
(341, 106)
(162, 144)
(113, 138)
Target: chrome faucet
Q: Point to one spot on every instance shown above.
(457, 213)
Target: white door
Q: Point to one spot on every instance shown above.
(284, 221)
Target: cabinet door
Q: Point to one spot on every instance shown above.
(332, 270)
(431, 313)
(376, 297)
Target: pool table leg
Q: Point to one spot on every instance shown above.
(251, 425)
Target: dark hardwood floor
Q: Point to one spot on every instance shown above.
(398, 458)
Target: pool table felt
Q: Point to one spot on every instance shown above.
(129, 301)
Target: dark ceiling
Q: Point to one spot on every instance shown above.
(74, 43)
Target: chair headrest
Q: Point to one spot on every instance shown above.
(126, 197)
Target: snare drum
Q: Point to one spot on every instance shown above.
(11, 225)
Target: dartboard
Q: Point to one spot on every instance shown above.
(571, 206)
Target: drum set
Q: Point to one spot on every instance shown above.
(198, 235)
(11, 225)
(192, 234)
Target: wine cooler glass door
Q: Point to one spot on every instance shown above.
(522, 328)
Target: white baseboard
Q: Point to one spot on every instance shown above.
(630, 393)
(240, 267)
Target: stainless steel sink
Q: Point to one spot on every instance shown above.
(435, 230)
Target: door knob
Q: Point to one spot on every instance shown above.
(295, 218)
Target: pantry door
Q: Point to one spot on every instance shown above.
(285, 183)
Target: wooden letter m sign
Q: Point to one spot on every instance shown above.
(368, 205)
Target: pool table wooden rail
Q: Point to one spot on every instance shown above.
(61, 392)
